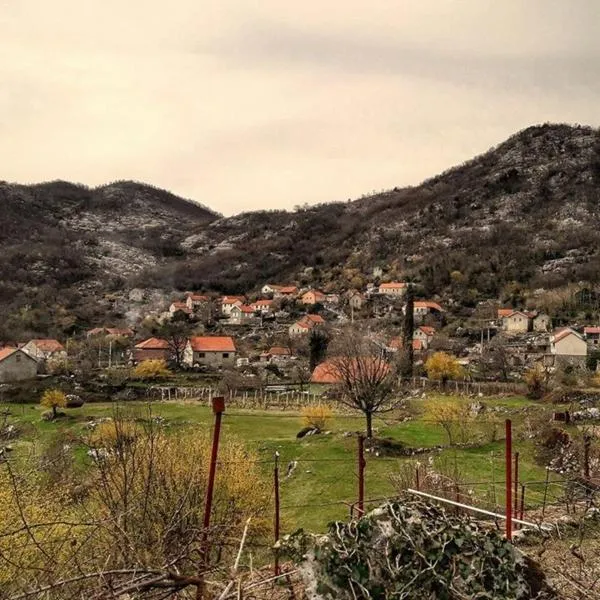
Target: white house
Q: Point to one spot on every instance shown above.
(424, 307)
(238, 315)
(393, 288)
(228, 302)
(213, 351)
(566, 342)
(45, 349)
(424, 334)
(305, 325)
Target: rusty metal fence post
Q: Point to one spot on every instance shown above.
(277, 523)
(508, 478)
(361, 475)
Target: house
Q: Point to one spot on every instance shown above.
(355, 300)
(276, 354)
(396, 344)
(567, 343)
(592, 335)
(16, 365)
(394, 288)
(305, 325)
(152, 349)
(313, 297)
(179, 307)
(212, 351)
(517, 321)
(228, 302)
(238, 315)
(332, 299)
(45, 349)
(334, 370)
(541, 322)
(424, 334)
(269, 289)
(263, 307)
(285, 291)
(195, 301)
(424, 307)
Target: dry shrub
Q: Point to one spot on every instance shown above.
(114, 434)
(151, 369)
(454, 418)
(317, 416)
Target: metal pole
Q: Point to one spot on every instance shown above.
(516, 484)
(417, 477)
(508, 483)
(218, 405)
(522, 501)
(361, 475)
(545, 491)
(587, 441)
(276, 487)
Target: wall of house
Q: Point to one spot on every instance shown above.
(150, 354)
(515, 324)
(214, 359)
(541, 323)
(570, 345)
(17, 367)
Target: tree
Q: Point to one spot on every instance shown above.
(453, 417)
(151, 369)
(536, 379)
(317, 345)
(176, 333)
(365, 378)
(54, 399)
(407, 359)
(442, 367)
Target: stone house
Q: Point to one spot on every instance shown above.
(228, 302)
(152, 349)
(424, 307)
(179, 307)
(592, 335)
(45, 349)
(277, 355)
(285, 291)
(541, 322)
(16, 365)
(212, 351)
(239, 315)
(305, 325)
(393, 288)
(356, 300)
(567, 343)
(424, 334)
(264, 307)
(113, 332)
(196, 301)
(517, 322)
(313, 297)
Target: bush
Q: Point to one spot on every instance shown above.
(151, 369)
(536, 379)
(54, 399)
(317, 416)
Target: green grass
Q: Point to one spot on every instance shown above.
(324, 482)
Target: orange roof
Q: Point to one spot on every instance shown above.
(428, 304)
(331, 370)
(197, 297)
(6, 352)
(232, 299)
(247, 309)
(562, 333)
(392, 285)
(96, 331)
(396, 344)
(262, 303)
(315, 318)
(505, 312)
(212, 344)
(591, 330)
(153, 344)
(48, 345)
(287, 289)
(280, 351)
(126, 332)
(427, 329)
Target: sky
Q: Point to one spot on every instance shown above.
(270, 104)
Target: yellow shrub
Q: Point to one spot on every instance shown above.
(54, 399)
(151, 369)
(317, 416)
(114, 434)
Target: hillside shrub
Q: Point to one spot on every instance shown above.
(317, 416)
(151, 369)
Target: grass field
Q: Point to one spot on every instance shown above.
(324, 482)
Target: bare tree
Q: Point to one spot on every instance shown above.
(365, 377)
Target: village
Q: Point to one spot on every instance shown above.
(266, 334)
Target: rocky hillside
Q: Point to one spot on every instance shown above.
(527, 211)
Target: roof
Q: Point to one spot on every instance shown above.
(315, 318)
(591, 330)
(561, 334)
(262, 303)
(212, 344)
(6, 352)
(317, 294)
(125, 332)
(428, 304)
(287, 289)
(396, 344)
(392, 285)
(279, 351)
(232, 299)
(153, 344)
(526, 314)
(48, 345)
(427, 329)
(197, 297)
(504, 312)
(180, 306)
(329, 371)
(246, 309)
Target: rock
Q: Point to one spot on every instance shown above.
(307, 431)
(74, 401)
(136, 295)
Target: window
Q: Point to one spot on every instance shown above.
(18, 358)
(201, 354)
(225, 354)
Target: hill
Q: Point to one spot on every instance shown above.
(525, 213)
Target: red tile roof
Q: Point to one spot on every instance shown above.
(212, 344)
(153, 344)
(6, 352)
(505, 312)
(428, 304)
(591, 330)
(286, 289)
(392, 285)
(396, 344)
(427, 329)
(279, 351)
(331, 370)
(562, 333)
(48, 345)
(197, 297)
(262, 303)
(232, 300)
(247, 309)
(125, 332)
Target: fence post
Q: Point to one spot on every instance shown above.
(545, 491)
(361, 475)
(587, 442)
(276, 489)
(508, 482)
(522, 501)
(516, 483)
(417, 483)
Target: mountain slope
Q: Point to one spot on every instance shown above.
(527, 211)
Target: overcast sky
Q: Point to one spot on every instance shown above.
(244, 105)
